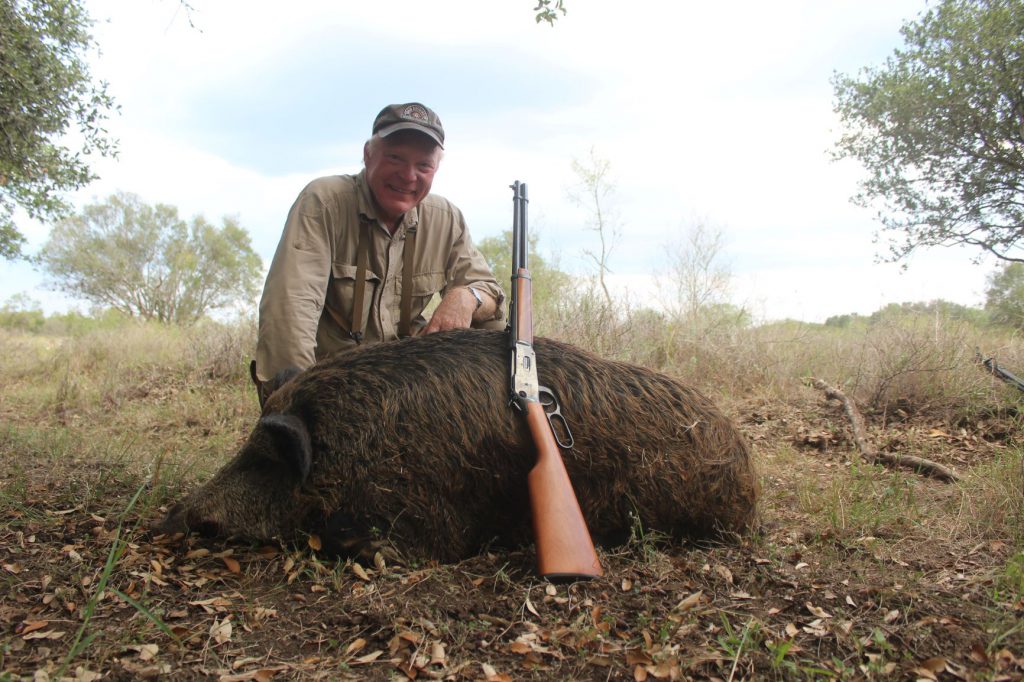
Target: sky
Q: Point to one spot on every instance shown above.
(713, 113)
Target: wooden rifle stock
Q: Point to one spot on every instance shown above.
(565, 550)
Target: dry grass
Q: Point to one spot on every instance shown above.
(856, 572)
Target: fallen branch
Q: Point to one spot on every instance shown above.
(868, 452)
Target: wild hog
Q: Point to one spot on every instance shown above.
(414, 442)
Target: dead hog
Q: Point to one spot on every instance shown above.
(414, 442)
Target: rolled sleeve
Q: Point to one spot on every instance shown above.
(467, 266)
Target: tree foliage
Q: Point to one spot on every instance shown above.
(147, 262)
(47, 98)
(894, 312)
(1004, 298)
(549, 284)
(940, 130)
(549, 11)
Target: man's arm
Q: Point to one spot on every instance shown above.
(466, 268)
(459, 309)
(295, 290)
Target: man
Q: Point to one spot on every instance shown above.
(362, 255)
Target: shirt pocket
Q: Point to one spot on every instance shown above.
(341, 296)
(424, 286)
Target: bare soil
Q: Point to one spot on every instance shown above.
(856, 572)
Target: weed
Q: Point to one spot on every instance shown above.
(82, 641)
(1012, 579)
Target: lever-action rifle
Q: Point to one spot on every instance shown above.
(564, 548)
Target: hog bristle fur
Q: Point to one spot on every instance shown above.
(414, 442)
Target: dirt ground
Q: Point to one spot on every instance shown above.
(856, 572)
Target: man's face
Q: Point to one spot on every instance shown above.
(400, 170)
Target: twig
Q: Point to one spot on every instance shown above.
(868, 452)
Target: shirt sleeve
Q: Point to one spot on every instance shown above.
(294, 294)
(467, 266)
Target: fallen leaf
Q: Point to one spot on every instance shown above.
(355, 646)
(49, 634)
(232, 564)
(370, 658)
(520, 647)
(378, 562)
(817, 612)
(360, 571)
(84, 675)
(530, 607)
(262, 613)
(725, 573)
(690, 601)
(315, 543)
(437, 654)
(637, 657)
(410, 636)
(197, 553)
(627, 584)
(892, 616)
(148, 651)
(33, 625)
(220, 631)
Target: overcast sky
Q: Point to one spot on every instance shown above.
(717, 112)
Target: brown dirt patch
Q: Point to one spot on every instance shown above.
(855, 573)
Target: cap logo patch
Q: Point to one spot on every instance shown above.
(415, 112)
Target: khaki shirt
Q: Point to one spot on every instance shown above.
(306, 308)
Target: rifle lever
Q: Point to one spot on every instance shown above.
(553, 411)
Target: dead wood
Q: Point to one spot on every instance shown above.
(868, 452)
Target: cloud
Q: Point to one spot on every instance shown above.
(720, 111)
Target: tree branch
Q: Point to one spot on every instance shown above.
(868, 452)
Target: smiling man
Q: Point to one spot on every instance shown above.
(362, 255)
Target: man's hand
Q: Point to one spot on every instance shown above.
(458, 309)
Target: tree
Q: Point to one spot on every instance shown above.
(46, 97)
(145, 261)
(548, 283)
(549, 10)
(940, 130)
(1004, 298)
(696, 280)
(594, 193)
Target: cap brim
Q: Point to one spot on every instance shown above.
(405, 125)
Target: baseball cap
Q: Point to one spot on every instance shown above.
(411, 116)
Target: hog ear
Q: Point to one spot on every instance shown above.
(292, 440)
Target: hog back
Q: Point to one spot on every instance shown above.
(414, 441)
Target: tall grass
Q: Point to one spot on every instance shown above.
(915, 363)
(177, 400)
(118, 392)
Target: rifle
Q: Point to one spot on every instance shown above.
(1006, 375)
(564, 549)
